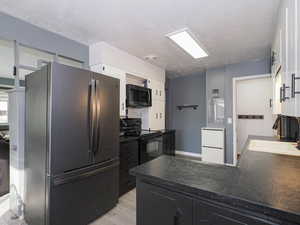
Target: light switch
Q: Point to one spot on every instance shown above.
(229, 120)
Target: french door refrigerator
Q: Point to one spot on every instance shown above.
(72, 145)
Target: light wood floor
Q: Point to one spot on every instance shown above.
(123, 214)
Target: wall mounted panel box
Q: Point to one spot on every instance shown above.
(213, 145)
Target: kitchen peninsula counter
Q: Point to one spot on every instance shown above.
(264, 188)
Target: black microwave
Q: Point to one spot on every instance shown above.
(138, 97)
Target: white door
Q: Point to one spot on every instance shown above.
(253, 98)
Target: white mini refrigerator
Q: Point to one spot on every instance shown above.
(213, 145)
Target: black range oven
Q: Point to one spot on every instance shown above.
(151, 146)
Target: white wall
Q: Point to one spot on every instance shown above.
(106, 54)
(103, 53)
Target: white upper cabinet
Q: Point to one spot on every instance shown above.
(157, 115)
(116, 73)
(296, 76)
(158, 90)
(157, 111)
(285, 97)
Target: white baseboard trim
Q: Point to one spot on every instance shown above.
(191, 154)
(229, 164)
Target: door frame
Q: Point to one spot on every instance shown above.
(234, 114)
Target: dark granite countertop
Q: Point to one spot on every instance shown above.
(262, 182)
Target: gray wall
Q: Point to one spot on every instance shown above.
(187, 122)
(215, 78)
(33, 36)
(193, 90)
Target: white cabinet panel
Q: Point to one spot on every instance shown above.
(213, 155)
(116, 73)
(287, 32)
(276, 94)
(158, 90)
(157, 115)
(297, 46)
(157, 111)
(213, 138)
(213, 145)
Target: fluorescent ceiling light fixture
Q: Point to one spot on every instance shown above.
(184, 39)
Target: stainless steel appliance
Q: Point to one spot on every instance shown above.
(131, 127)
(137, 96)
(72, 145)
(151, 145)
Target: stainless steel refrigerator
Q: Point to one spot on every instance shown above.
(72, 145)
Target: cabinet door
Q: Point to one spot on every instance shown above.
(277, 83)
(169, 143)
(277, 77)
(129, 158)
(153, 116)
(209, 214)
(161, 114)
(297, 74)
(158, 90)
(157, 115)
(291, 53)
(285, 56)
(159, 206)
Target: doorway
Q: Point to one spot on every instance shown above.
(252, 109)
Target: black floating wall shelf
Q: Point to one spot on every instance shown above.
(180, 107)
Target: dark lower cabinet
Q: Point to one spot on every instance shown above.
(129, 158)
(159, 206)
(211, 214)
(169, 142)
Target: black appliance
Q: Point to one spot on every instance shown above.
(287, 128)
(72, 145)
(151, 145)
(138, 97)
(130, 126)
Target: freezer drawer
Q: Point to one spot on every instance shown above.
(80, 199)
(213, 155)
(213, 138)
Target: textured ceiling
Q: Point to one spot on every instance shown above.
(231, 30)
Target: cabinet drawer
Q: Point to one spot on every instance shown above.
(213, 155)
(209, 214)
(213, 138)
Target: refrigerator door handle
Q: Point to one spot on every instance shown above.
(92, 90)
(98, 109)
(68, 179)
